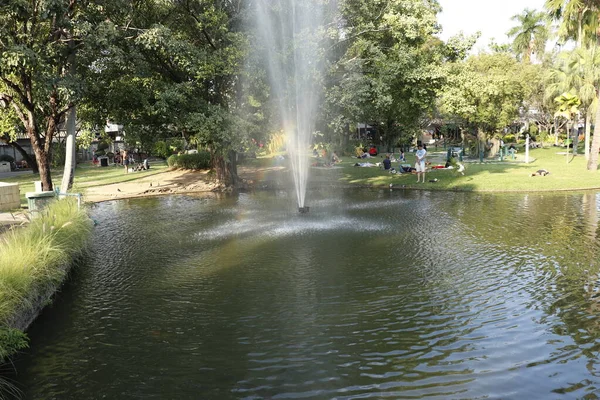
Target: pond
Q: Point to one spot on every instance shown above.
(373, 294)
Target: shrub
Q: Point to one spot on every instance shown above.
(99, 153)
(200, 160)
(6, 157)
(162, 149)
(103, 145)
(11, 341)
(509, 138)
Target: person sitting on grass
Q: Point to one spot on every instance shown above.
(387, 163)
(541, 172)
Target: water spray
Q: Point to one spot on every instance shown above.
(292, 33)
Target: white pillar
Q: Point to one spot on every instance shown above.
(527, 149)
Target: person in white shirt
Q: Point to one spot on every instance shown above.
(420, 162)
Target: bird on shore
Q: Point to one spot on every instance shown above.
(118, 190)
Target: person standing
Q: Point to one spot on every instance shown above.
(420, 162)
(126, 161)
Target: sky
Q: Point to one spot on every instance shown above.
(491, 17)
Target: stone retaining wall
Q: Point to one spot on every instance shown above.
(9, 196)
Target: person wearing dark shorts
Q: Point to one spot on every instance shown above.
(126, 161)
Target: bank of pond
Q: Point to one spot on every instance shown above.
(34, 261)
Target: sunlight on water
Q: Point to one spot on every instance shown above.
(376, 294)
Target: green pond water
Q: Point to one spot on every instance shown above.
(373, 294)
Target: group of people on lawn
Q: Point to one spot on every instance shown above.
(125, 159)
(419, 167)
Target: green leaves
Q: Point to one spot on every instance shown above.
(486, 91)
(390, 71)
(568, 105)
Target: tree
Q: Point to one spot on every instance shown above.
(568, 107)
(530, 35)
(36, 64)
(174, 73)
(389, 68)
(578, 19)
(584, 78)
(484, 93)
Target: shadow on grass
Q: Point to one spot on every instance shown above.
(114, 177)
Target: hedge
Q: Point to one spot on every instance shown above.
(200, 160)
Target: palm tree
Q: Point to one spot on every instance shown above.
(531, 34)
(581, 19)
(578, 18)
(568, 106)
(585, 77)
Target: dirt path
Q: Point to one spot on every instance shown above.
(168, 182)
(172, 182)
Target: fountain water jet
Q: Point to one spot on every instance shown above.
(289, 30)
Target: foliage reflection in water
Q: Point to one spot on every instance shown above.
(372, 294)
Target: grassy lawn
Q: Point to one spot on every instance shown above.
(86, 175)
(489, 176)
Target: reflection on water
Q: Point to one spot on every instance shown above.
(373, 294)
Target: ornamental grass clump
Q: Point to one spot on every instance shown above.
(37, 256)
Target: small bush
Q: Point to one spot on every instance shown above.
(6, 157)
(103, 146)
(11, 341)
(510, 138)
(162, 150)
(110, 154)
(201, 160)
(99, 153)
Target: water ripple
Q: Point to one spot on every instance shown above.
(374, 294)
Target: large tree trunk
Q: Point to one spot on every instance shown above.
(71, 148)
(232, 165)
(346, 136)
(70, 153)
(220, 167)
(44, 168)
(593, 161)
(575, 128)
(588, 128)
(41, 149)
(555, 132)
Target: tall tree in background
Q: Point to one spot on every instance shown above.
(580, 19)
(173, 73)
(389, 70)
(37, 76)
(530, 35)
(584, 78)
